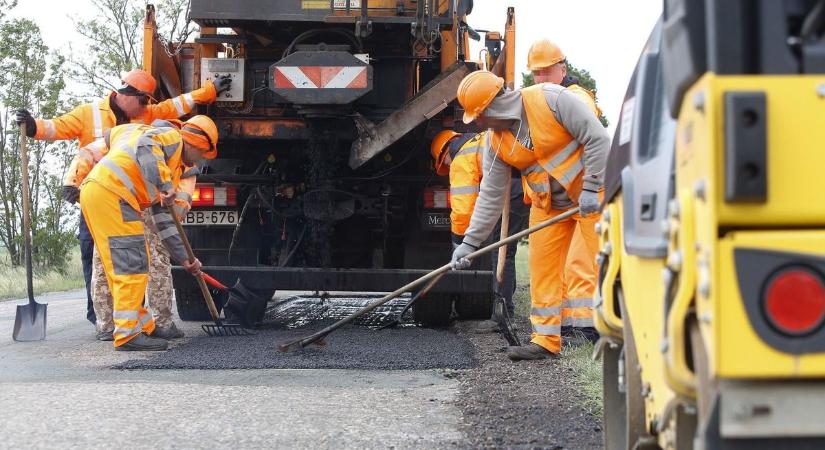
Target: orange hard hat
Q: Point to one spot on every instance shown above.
(141, 80)
(476, 91)
(201, 132)
(544, 53)
(439, 148)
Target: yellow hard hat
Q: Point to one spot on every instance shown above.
(439, 148)
(476, 91)
(201, 132)
(544, 53)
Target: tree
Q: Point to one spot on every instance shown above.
(31, 77)
(584, 78)
(114, 39)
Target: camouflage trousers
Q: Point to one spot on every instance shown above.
(158, 291)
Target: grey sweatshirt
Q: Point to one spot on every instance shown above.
(575, 116)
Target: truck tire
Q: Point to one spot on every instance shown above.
(474, 306)
(434, 310)
(191, 306)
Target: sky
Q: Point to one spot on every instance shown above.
(604, 37)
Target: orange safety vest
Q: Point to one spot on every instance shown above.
(141, 160)
(88, 123)
(465, 183)
(555, 152)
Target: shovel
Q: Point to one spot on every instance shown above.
(30, 319)
(243, 304)
(218, 328)
(435, 274)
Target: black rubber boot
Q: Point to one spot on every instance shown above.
(530, 352)
(143, 343)
(168, 333)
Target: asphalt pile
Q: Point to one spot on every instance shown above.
(365, 346)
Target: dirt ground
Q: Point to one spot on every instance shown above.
(533, 404)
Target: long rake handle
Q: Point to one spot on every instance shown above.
(505, 230)
(303, 342)
(213, 311)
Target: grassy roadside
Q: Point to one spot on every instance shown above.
(588, 373)
(13, 279)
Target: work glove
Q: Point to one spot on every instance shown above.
(588, 202)
(459, 260)
(167, 198)
(71, 194)
(24, 116)
(222, 84)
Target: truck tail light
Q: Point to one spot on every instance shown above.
(436, 198)
(209, 195)
(794, 301)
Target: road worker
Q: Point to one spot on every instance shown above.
(548, 64)
(140, 171)
(131, 103)
(458, 156)
(159, 291)
(555, 139)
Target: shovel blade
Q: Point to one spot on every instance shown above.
(244, 306)
(30, 322)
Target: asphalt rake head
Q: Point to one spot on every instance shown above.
(226, 329)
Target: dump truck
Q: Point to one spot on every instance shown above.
(323, 180)
(711, 296)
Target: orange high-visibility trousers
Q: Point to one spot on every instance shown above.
(580, 275)
(548, 250)
(117, 230)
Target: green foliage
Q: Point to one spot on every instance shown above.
(585, 80)
(31, 77)
(114, 39)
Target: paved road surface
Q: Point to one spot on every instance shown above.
(62, 393)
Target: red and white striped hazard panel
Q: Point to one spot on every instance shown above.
(320, 77)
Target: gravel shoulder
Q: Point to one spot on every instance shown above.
(535, 404)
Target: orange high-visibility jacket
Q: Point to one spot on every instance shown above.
(555, 152)
(88, 123)
(465, 183)
(141, 162)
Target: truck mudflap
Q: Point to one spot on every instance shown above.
(268, 279)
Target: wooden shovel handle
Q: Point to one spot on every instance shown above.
(213, 311)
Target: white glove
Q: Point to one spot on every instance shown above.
(588, 202)
(459, 260)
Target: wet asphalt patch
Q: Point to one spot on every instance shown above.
(359, 346)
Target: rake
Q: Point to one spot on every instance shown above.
(218, 328)
(435, 274)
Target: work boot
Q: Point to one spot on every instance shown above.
(105, 335)
(487, 326)
(143, 343)
(168, 333)
(530, 351)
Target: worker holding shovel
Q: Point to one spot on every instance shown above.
(140, 171)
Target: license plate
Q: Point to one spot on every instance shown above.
(211, 218)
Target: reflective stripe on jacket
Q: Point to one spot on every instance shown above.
(465, 182)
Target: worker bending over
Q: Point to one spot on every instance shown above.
(548, 64)
(459, 156)
(140, 171)
(560, 147)
(87, 123)
(159, 288)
